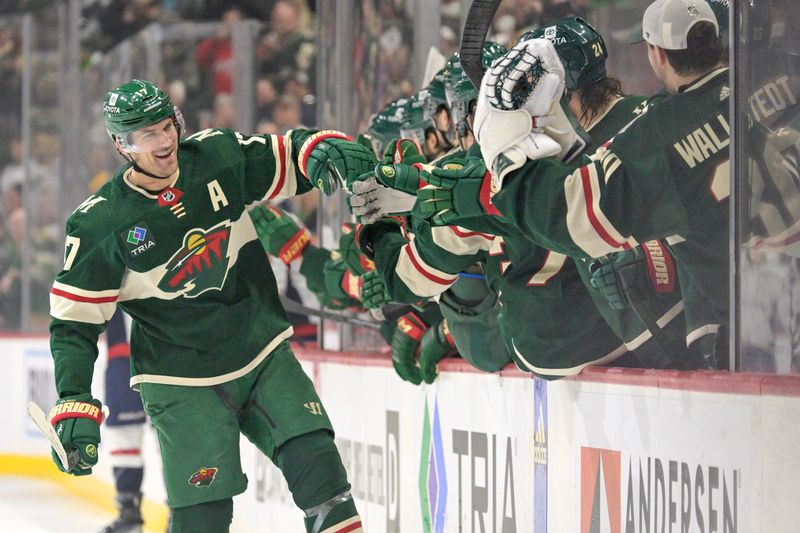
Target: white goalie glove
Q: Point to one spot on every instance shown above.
(518, 116)
(371, 201)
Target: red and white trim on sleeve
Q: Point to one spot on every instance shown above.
(460, 241)
(80, 305)
(311, 142)
(420, 277)
(351, 525)
(284, 184)
(588, 226)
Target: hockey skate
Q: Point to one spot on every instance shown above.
(130, 516)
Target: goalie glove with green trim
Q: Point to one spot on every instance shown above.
(77, 420)
(456, 192)
(330, 158)
(436, 344)
(279, 234)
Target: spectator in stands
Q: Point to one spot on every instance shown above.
(287, 113)
(266, 96)
(214, 54)
(10, 258)
(224, 111)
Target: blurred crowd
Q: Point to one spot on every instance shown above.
(197, 70)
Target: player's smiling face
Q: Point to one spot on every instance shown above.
(157, 148)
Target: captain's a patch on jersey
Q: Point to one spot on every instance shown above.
(138, 239)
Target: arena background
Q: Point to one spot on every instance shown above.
(487, 452)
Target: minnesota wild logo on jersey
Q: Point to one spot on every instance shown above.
(201, 264)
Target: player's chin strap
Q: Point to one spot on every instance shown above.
(322, 510)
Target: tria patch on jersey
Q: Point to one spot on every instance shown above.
(138, 239)
(201, 264)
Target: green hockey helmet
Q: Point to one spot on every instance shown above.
(413, 122)
(459, 88)
(433, 96)
(579, 46)
(136, 105)
(385, 124)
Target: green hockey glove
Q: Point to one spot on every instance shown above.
(373, 290)
(405, 344)
(77, 420)
(634, 275)
(403, 151)
(436, 344)
(330, 159)
(341, 284)
(370, 234)
(454, 193)
(279, 234)
(400, 177)
(349, 251)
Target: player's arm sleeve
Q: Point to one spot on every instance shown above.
(82, 301)
(602, 206)
(428, 263)
(312, 267)
(271, 166)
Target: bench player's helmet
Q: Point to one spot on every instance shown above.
(385, 125)
(136, 105)
(580, 47)
(433, 96)
(459, 88)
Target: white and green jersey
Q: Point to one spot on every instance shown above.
(185, 263)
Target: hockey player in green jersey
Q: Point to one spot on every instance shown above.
(665, 176)
(168, 240)
(559, 331)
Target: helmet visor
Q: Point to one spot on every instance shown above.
(159, 136)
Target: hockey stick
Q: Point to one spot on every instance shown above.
(300, 309)
(476, 26)
(68, 460)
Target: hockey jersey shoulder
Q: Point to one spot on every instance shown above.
(101, 212)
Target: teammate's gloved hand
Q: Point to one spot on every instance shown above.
(77, 420)
(403, 151)
(350, 253)
(634, 275)
(373, 290)
(529, 77)
(372, 201)
(405, 343)
(400, 177)
(436, 344)
(330, 158)
(340, 284)
(454, 193)
(517, 98)
(279, 234)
